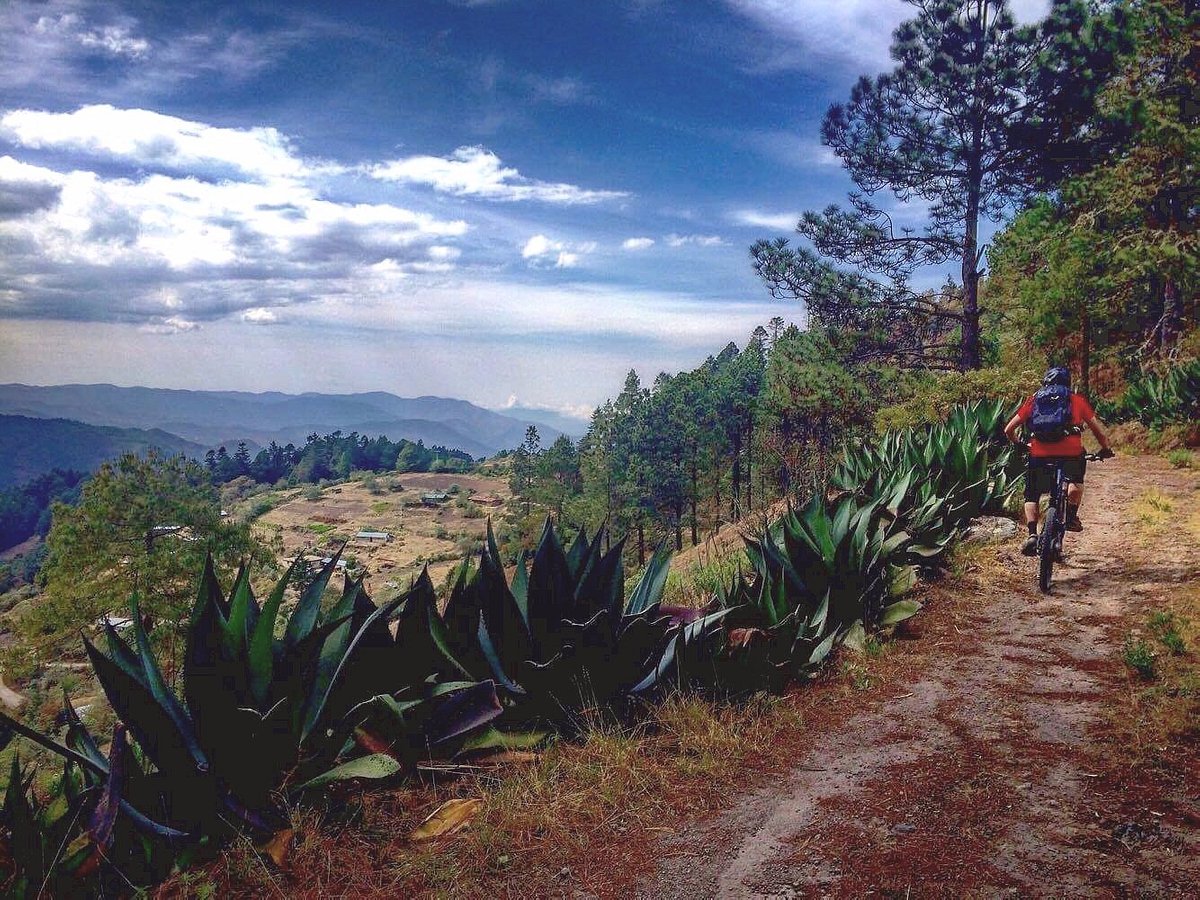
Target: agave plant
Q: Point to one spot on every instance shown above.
(561, 637)
(261, 713)
(965, 461)
(1158, 400)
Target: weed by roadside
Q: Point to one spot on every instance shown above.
(1164, 707)
(1182, 459)
(1140, 657)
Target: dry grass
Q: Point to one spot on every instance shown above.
(539, 824)
(1163, 710)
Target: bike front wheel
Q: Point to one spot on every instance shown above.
(1046, 550)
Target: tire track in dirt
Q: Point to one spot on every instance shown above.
(978, 778)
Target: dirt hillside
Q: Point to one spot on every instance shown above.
(998, 769)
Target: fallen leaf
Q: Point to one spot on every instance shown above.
(451, 816)
(743, 637)
(279, 847)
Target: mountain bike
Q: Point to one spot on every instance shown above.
(1054, 529)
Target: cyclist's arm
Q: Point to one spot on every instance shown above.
(1010, 430)
(1098, 430)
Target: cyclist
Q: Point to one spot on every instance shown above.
(1055, 416)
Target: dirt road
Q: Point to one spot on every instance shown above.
(987, 773)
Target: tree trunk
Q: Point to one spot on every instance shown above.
(641, 543)
(969, 354)
(1172, 317)
(1085, 353)
(735, 496)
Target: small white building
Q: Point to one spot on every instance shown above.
(374, 537)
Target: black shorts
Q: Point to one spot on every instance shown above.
(1039, 477)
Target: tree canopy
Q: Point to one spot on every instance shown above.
(977, 112)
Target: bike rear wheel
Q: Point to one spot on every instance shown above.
(1046, 549)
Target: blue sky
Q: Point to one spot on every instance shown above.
(509, 201)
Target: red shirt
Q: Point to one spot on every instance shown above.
(1072, 444)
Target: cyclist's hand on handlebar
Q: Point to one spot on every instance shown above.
(1105, 453)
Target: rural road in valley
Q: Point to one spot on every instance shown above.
(985, 773)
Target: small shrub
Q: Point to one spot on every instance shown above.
(312, 492)
(1164, 626)
(1139, 656)
(1182, 459)
(259, 507)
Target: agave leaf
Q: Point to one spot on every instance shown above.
(308, 608)
(82, 760)
(492, 738)
(104, 817)
(241, 602)
(551, 594)
(898, 612)
(261, 652)
(208, 592)
(822, 650)
(152, 725)
(503, 618)
(855, 639)
(901, 580)
(373, 767)
(577, 555)
(463, 711)
(602, 587)
(316, 704)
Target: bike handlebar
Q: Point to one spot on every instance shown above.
(1090, 457)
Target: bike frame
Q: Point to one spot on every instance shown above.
(1055, 528)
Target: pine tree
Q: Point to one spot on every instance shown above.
(974, 116)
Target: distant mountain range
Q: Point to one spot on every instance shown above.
(208, 419)
(31, 447)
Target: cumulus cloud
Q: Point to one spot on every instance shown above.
(697, 240)
(260, 316)
(542, 252)
(152, 140)
(638, 243)
(79, 245)
(477, 172)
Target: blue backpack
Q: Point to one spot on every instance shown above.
(1051, 419)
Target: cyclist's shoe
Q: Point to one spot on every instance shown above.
(1030, 547)
(1073, 524)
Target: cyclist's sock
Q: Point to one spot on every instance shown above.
(1032, 526)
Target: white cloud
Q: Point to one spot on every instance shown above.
(778, 221)
(796, 151)
(542, 252)
(79, 245)
(170, 325)
(638, 243)
(115, 39)
(477, 172)
(153, 140)
(260, 316)
(849, 32)
(581, 411)
(698, 240)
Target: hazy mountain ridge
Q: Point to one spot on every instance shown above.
(32, 446)
(212, 418)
